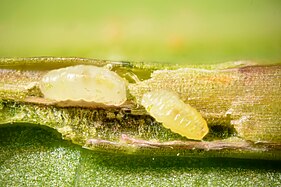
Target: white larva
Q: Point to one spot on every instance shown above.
(84, 82)
(181, 118)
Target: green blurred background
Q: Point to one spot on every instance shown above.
(163, 31)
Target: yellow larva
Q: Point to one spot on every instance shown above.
(84, 82)
(181, 118)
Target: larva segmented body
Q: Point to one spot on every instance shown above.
(181, 118)
(84, 82)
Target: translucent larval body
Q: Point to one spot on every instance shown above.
(181, 118)
(84, 82)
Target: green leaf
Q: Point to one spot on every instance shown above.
(32, 156)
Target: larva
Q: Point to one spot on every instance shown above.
(181, 118)
(84, 82)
